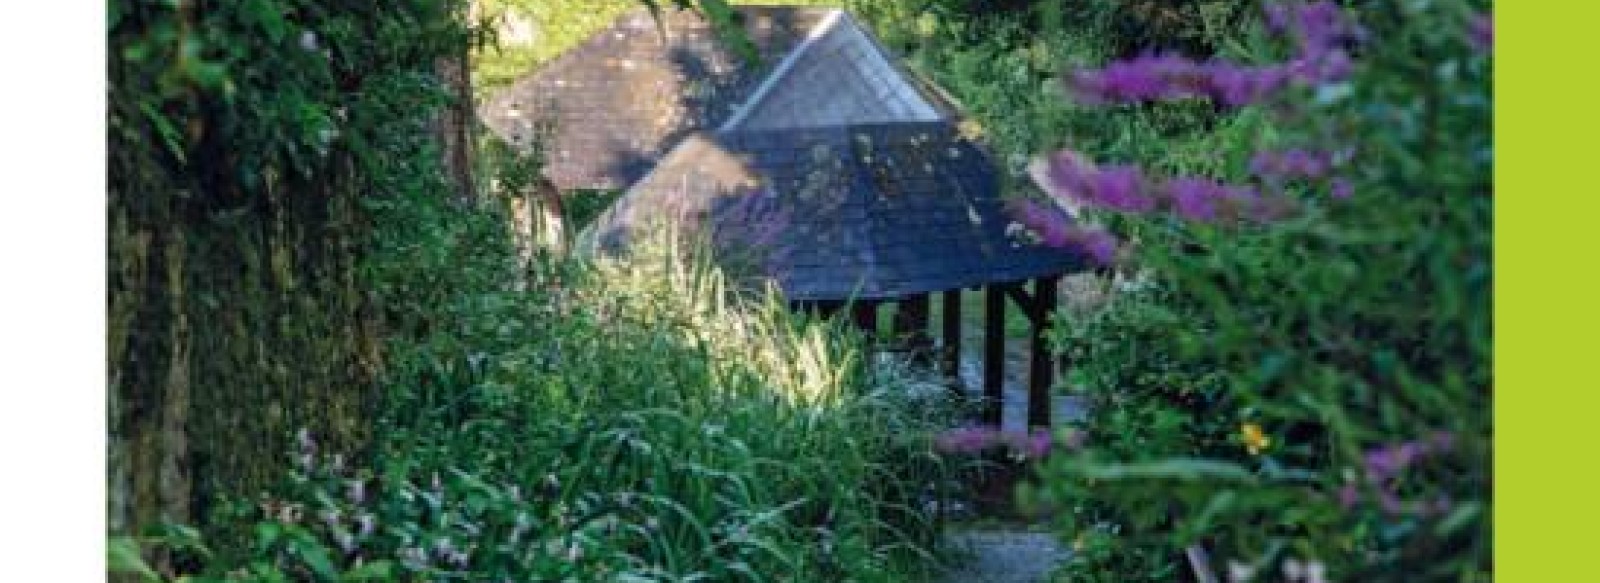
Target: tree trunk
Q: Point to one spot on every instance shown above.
(455, 123)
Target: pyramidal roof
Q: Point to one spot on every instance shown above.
(616, 104)
(866, 211)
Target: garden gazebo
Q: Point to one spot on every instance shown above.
(861, 218)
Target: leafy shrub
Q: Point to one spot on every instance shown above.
(1302, 389)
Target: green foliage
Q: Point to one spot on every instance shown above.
(1004, 68)
(245, 141)
(1256, 399)
(615, 420)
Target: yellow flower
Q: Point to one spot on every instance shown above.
(1254, 439)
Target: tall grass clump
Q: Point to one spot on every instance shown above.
(632, 418)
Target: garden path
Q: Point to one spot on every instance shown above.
(1003, 556)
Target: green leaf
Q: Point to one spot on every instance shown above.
(1460, 517)
(374, 571)
(122, 556)
(724, 20)
(170, 137)
(1187, 469)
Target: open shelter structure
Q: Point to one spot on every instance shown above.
(825, 166)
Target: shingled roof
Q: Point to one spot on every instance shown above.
(867, 211)
(621, 100)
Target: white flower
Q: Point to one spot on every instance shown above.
(1240, 572)
(308, 40)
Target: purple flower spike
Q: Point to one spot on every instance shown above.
(1098, 246)
(1480, 32)
(1121, 188)
(1051, 225)
(1194, 199)
(1277, 17)
(1063, 175)
(964, 440)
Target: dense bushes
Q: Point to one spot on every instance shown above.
(1301, 395)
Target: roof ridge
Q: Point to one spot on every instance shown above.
(784, 67)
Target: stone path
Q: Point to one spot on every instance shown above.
(1003, 556)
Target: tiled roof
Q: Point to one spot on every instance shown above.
(874, 211)
(841, 77)
(619, 101)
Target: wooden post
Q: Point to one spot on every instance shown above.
(1040, 373)
(994, 352)
(952, 336)
(866, 317)
(911, 326)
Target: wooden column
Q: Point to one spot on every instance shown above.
(1040, 373)
(952, 336)
(994, 352)
(911, 326)
(866, 317)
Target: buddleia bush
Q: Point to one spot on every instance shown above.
(1299, 390)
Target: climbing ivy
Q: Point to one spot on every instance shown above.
(248, 141)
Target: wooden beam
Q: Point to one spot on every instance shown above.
(952, 336)
(1040, 372)
(994, 352)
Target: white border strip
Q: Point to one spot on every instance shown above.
(827, 25)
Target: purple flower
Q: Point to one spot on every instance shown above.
(1387, 462)
(1039, 444)
(1140, 79)
(1194, 199)
(1237, 85)
(1480, 32)
(1121, 188)
(1342, 188)
(1349, 495)
(1319, 25)
(1034, 445)
(1277, 17)
(1099, 246)
(965, 440)
(1063, 175)
(1048, 222)
(1292, 163)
